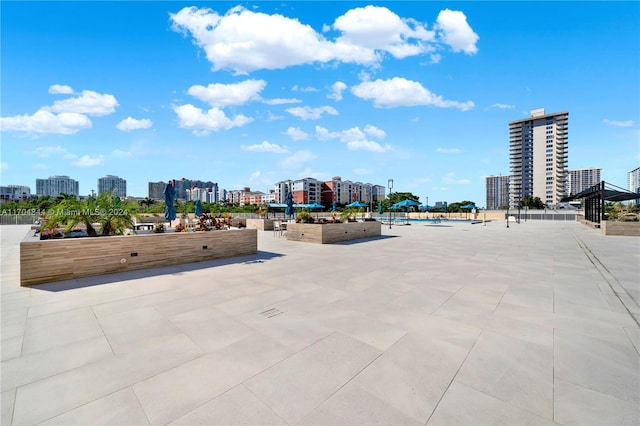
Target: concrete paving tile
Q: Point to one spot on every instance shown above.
(133, 303)
(422, 299)
(131, 330)
(237, 406)
(36, 366)
(634, 336)
(296, 386)
(605, 316)
(7, 400)
(210, 328)
(603, 366)
(353, 405)
(257, 302)
(463, 405)
(74, 388)
(580, 295)
(537, 296)
(311, 301)
(576, 405)
(413, 375)
(59, 329)
(294, 331)
(119, 408)
(365, 328)
(11, 348)
(174, 393)
(77, 299)
(512, 370)
(13, 322)
(474, 299)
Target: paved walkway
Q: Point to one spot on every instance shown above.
(430, 324)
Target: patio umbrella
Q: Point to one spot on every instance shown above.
(315, 206)
(334, 207)
(405, 203)
(379, 206)
(289, 203)
(169, 198)
(468, 206)
(198, 208)
(357, 204)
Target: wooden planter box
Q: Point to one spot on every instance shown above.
(628, 229)
(332, 232)
(260, 224)
(56, 260)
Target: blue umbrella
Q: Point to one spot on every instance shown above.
(198, 208)
(468, 206)
(289, 202)
(379, 206)
(405, 203)
(169, 198)
(357, 204)
(334, 208)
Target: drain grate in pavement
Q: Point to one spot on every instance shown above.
(269, 313)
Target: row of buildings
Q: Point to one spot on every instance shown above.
(538, 162)
(305, 191)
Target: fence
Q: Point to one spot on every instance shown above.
(18, 219)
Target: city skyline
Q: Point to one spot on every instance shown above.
(305, 89)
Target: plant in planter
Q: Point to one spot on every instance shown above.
(304, 217)
(180, 228)
(348, 215)
(158, 228)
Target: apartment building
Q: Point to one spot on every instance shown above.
(112, 183)
(538, 157)
(56, 185)
(581, 179)
(634, 183)
(497, 192)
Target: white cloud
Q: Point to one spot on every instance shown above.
(323, 133)
(202, 123)
(42, 122)
(221, 95)
(356, 139)
(40, 166)
(281, 101)
(308, 113)
(89, 102)
(367, 145)
(244, 41)
(448, 150)
(118, 153)
(265, 147)
(49, 151)
(60, 89)
(451, 178)
(308, 89)
(90, 161)
(627, 123)
(374, 131)
(4, 166)
(296, 159)
(453, 30)
(130, 123)
(372, 29)
(435, 58)
(502, 106)
(398, 91)
(296, 134)
(336, 90)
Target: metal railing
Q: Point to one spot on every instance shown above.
(18, 219)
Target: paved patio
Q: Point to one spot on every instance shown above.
(430, 324)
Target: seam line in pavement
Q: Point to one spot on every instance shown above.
(600, 267)
(453, 378)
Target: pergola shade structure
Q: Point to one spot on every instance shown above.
(595, 197)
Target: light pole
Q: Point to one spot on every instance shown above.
(427, 208)
(390, 182)
(507, 215)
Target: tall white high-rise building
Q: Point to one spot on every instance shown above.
(56, 185)
(581, 179)
(497, 192)
(634, 182)
(112, 183)
(538, 157)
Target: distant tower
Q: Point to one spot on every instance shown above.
(581, 179)
(56, 185)
(110, 183)
(497, 192)
(538, 157)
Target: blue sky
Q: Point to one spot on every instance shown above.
(251, 93)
